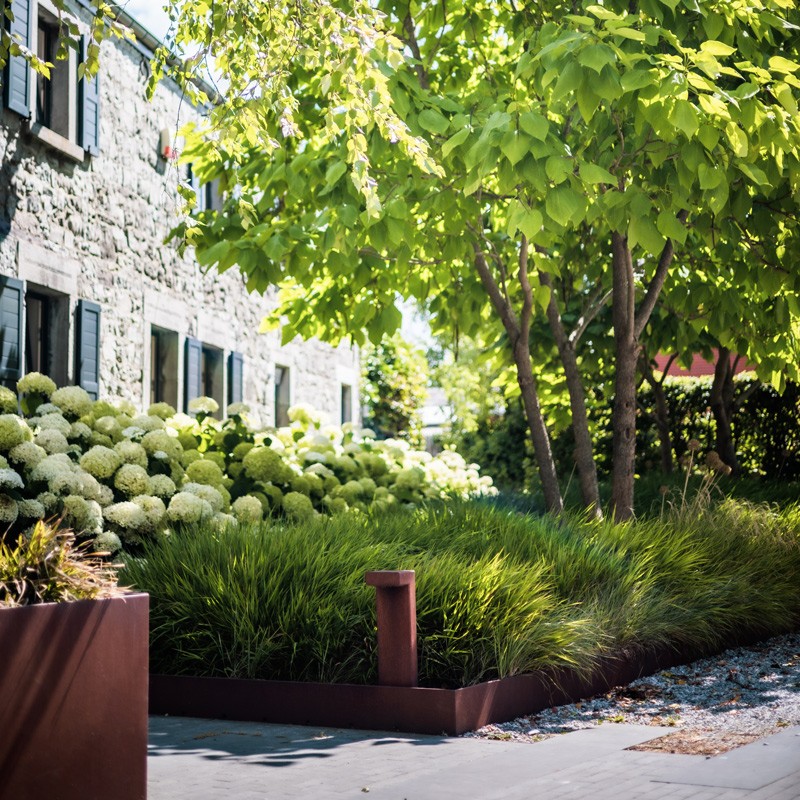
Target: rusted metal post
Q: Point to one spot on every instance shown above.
(396, 600)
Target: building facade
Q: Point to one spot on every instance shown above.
(89, 292)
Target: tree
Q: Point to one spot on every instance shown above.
(394, 388)
(578, 142)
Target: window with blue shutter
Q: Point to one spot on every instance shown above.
(17, 75)
(87, 348)
(193, 371)
(89, 109)
(235, 378)
(11, 297)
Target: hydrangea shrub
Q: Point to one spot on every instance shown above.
(121, 476)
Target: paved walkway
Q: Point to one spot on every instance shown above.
(195, 759)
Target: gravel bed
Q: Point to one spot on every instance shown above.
(746, 690)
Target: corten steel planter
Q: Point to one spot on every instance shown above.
(73, 700)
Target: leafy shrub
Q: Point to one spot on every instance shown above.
(105, 469)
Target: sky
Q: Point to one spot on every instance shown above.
(149, 13)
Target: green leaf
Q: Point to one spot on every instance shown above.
(454, 141)
(601, 12)
(634, 79)
(515, 147)
(534, 124)
(643, 231)
(568, 81)
(563, 203)
(716, 48)
(596, 57)
(684, 117)
(541, 296)
(594, 174)
(332, 176)
(783, 65)
(629, 33)
(754, 173)
(531, 223)
(434, 121)
(671, 227)
(558, 168)
(738, 139)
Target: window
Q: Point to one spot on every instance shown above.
(347, 403)
(208, 197)
(282, 396)
(53, 104)
(163, 366)
(63, 111)
(212, 374)
(46, 333)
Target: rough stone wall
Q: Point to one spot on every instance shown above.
(103, 223)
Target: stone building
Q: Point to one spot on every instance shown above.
(89, 292)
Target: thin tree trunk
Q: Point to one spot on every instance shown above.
(584, 455)
(721, 401)
(539, 435)
(518, 330)
(663, 423)
(627, 354)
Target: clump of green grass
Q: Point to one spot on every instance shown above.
(498, 592)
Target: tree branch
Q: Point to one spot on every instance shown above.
(656, 283)
(504, 310)
(527, 292)
(413, 44)
(595, 306)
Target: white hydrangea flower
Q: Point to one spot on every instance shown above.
(47, 408)
(30, 509)
(107, 542)
(72, 400)
(162, 486)
(238, 409)
(153, 508)
(10, 479)
(148, 423)
(100, 461)
(79, 431)
(9, 510)
(36, 383)
(52, 440)
(131, 453)
(13, 431)
(126, 516)
(208, 493)
(247, 509)
(188, 508)
(51, 466)
(206, 405)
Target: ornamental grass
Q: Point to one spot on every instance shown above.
(498, 592)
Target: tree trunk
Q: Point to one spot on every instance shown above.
(518, 330)
(664, 427)
(721, 401)
(627, 354)
(584, 454)
(663, 424)
(539, 435)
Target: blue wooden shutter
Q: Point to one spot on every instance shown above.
(12, 293)
(89, 108)
(235, 376)
(192, 371)
(87, 348)
(17, 75)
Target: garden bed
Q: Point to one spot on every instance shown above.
(514, 614)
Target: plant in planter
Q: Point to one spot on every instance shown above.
(73, 673)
